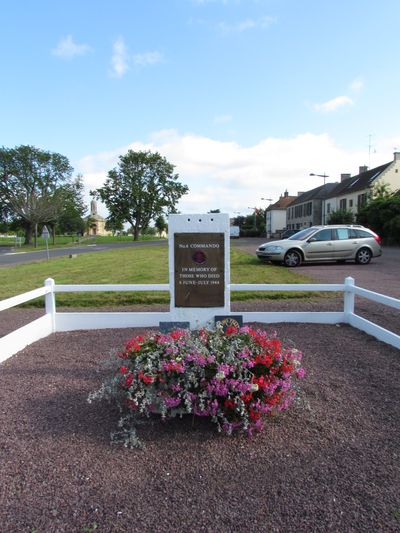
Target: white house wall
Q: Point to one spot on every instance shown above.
(390, 176)
(278, 220)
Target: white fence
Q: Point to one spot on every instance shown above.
(54, 321)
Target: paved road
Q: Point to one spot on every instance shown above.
(9, 258)
(381, 275)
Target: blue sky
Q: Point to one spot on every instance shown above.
(245, 97)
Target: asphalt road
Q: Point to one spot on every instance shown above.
(9, 257)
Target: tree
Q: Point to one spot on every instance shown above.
(341, 216)
(70, 196)
(382, 215)
(114, 225)
(160, 224)
(29, 180)
(141, 188)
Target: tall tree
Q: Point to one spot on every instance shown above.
(29, 180)
(160, 225)
(141, 188)
(70, 197)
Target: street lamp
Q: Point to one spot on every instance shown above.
(320, 176)
(267, 213)
(255, 216)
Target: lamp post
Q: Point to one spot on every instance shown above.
(323, 201)
(268, 223)
(320, 176)
(255, 216)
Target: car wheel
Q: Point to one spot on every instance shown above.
(292, 258)
(363, 256)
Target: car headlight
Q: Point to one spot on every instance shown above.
(274, 249)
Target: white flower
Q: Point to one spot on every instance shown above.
(220, 376)
(254, 387)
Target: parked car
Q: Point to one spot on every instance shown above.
(288, 233)
(324, 243)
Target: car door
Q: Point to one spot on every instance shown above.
(320, 246)
(345, 243)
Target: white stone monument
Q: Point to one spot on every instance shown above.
(199, 267)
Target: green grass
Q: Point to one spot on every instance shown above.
(133, 265)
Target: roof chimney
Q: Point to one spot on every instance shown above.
(344, 177)
(396, 156)
(300, 193)
(363, 169)
(286, 193)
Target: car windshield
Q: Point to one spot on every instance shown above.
(302, 235)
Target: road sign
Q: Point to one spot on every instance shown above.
(45, 233)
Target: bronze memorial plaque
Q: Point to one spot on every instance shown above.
(199, 269)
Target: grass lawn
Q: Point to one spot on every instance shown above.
(68, 240)
(133, 265)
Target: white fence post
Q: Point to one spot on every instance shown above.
(50, 303)
(348, 298)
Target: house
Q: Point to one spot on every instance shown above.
(95, 222)
(308, 207)
(275, 215)
(353, 192)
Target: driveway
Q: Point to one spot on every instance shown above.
(381, 275)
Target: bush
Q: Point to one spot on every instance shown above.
(234, 377)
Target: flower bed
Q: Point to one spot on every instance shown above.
(234, 376)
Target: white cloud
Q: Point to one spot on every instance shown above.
(228, 176)
(119, 60)
(222, 119)
(357, 85)
(147, 58)
(332, 105)
(67, 48)
(247, 24)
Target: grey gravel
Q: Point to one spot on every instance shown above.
(330, 464)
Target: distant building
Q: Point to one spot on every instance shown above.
(353, 192)
(275, 215)
(308, 207)
(96, 224)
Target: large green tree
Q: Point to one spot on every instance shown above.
(382, 215)
(29, 181)
(70, 197)
(140, 188)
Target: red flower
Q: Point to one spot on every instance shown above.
(229, 404)
(246, 398)
(145, 378)
(254, 415)
(231, 330)
(177, 334)
(133, 345)
(129, 379)
(123, 369)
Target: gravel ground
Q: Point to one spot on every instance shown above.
(330, 464)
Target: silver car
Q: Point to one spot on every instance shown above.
(324, 243)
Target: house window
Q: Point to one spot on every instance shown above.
(343, 204)
(361, 200)
(328, 208)
(350, 203)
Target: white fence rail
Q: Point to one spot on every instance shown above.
(54, 321)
